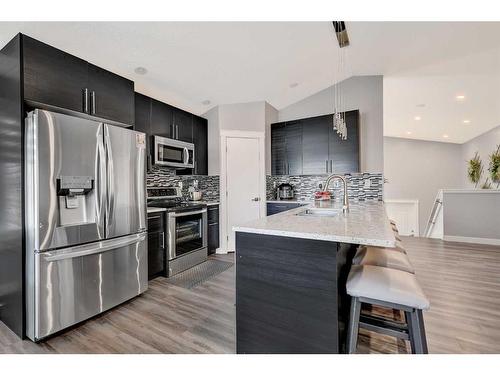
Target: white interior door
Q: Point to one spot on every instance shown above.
(243, 178)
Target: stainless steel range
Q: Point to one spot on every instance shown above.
(186, 228)
(86, 239)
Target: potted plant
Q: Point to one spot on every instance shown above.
(475, 169)
(494, 167)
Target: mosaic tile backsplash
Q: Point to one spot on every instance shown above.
(162, 177)
(305, 186)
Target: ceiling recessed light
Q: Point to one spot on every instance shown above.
(460, 97)
(445, 136)
(466, 121)
(293, 85)
(206, 102)
(417, 118)
(409, 133)
(140, 70)
(422, 105)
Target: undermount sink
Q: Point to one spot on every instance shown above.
(319, 212)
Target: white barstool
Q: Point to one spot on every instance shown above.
(388, 288)
(382, 257)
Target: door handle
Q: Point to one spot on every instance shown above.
(110, 206)
(92, 99)
(331, 166)
(177, 131)
(85, 94)
(188, 213)
(256, 199)
(163, 239)
(185, 155)
(326, 166)
(85, 250)
(100, 182)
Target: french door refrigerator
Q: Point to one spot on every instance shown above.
(86, 240)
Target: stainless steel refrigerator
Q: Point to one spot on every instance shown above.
(86, 240)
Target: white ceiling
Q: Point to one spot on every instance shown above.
(227, 62)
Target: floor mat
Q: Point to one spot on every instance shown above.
(199, 274)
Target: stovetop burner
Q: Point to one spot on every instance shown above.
(171, 199)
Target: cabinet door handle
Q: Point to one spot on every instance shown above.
(85, 94)
(92, 98)
(177, 130)
(162, 239)
(331, 166)
(326, 166)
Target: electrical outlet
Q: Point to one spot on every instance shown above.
(368, 183)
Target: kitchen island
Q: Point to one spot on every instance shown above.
(291, 270)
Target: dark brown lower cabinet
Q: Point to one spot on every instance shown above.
(156, 245)
(213, 228)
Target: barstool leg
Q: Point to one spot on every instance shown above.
(352, 333)
(417, 332)
(421, 327)
(410, 331)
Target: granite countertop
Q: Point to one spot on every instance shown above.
(366, 223)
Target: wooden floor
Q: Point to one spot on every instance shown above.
(462, 282)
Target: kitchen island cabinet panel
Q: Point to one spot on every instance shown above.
(287, 294)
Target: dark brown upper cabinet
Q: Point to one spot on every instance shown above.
(200, 140)
(157, 118)
(344, 153)
(315, 144)
(183, 125)
(143, 123)
(161, 119)
(111, 96)
(310, 146)
(56, 78)
(286, 148)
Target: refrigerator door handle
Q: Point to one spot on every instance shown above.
(85, 250)
(100, 186)
(110, 207)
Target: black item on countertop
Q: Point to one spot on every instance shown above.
(285, 191)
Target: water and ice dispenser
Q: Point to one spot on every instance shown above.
(75, 203)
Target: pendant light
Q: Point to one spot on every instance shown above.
(339, 123)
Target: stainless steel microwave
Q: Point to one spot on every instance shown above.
(173, 153)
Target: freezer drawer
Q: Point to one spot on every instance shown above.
(76, 283)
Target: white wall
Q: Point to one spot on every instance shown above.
(485, 144)
(362, 92)
(418, 169)
(242, 116)
(254, 116)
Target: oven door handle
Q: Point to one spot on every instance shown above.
(188, 213)
(185, 153)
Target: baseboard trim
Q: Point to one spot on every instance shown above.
(479, 240)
